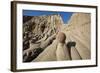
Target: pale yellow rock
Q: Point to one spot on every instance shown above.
(49, 54)
(62, 52)
(82, 49)
(78, 30)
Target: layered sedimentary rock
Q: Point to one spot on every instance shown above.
(45, 24)
(78, 30)
(39, 31)
(44, 29)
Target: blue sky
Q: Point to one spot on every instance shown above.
(65, 15)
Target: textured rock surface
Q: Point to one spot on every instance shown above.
(78, 30)
(43, 24)
(43, 31)
(39, 32)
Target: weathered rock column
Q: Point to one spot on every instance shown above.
(62, 52)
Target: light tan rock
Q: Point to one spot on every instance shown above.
(49, 54)
(78, 30)
(62, 52)
(61, 37)
(75, 54)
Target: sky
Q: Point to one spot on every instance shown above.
(65, 15)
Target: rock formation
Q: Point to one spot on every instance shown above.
(39, 33)
(62, 52)
(78, 30)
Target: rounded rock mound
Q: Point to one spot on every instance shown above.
(61, 37)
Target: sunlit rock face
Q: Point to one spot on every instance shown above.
(42, 40)
(45, 24)
(78, 30)
(39, 31)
